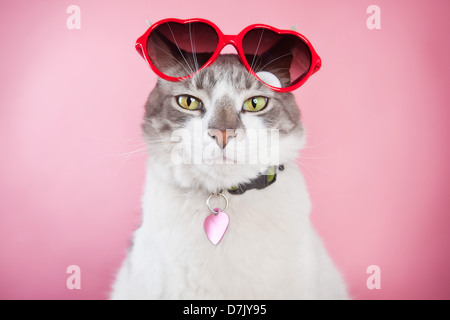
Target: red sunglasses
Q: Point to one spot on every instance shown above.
(176, 49)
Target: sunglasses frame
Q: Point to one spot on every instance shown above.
(223, 40)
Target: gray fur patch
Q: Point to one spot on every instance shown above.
(225, 115)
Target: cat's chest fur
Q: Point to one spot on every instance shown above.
(270, 250)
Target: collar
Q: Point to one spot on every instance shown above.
(260, 182)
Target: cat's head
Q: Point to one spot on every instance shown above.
(220, 127)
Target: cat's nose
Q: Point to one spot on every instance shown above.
(222, 136)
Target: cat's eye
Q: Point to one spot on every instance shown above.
(189, 102)
(255, 104)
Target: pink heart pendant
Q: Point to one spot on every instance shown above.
(215, 226)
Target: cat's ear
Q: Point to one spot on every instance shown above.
(278, 60)
(172, 60)
(164, 53)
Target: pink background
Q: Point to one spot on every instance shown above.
(377, 115)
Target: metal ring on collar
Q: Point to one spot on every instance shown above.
(217, 195)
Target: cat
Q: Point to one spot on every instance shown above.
(199, 144)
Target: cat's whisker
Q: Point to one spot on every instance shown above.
(313, 158)
(125, 147)
(273, 60)
(193, 48)
(257, 49)
(326, 140)
(134, 151)
(309, 173)
(180, 51)
(127, 156)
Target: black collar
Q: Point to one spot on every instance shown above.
(260, 182)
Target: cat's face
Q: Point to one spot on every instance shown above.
(221, 127)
